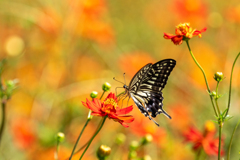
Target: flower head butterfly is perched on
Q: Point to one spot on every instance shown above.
(146, 88)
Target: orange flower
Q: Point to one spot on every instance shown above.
(183, 32)
(205, 140)
(109, 107)
(189, 10)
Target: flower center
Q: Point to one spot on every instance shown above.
(109, 105)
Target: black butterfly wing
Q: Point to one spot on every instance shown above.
(146, 86)
(138, 77)
(156, 78)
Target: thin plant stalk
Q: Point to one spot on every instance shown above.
(230, 144)
(104, 119)
(3, 103)
(79, 138)
(209, 91)
(220, 139)
(198, 155)
(230, 86)
(216, 102)
(88, 119)
(56, 153)
(85, 143)
(3, 118)
(102, 95)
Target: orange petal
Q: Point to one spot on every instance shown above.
(177, 40)
(94, 106)
(98, 114)
(124, 110)
(127, 119)
(168, 36)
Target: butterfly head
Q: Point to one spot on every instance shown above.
(125, 86)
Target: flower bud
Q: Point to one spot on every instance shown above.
(134, 145)
(103, 151)
(94, 94)
(132, 154)
(11, 85)
(120, 139)
(218, 76)
(106, 86)
(147, 139)
(146, 157)
(60, 137)
(214, 94)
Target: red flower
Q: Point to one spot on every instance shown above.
(23, 133)
(183, 30)
(109, 107)
(205, 140)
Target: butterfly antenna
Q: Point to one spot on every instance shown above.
(118, 81)
(124, 78)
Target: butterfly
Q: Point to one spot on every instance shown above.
(146, 87)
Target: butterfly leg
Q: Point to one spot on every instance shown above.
(124, 99)
(116, 90)
(165, 113)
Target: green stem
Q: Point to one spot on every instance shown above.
(198, 155)
(216, 102)
(230, 86)
(220, 139)
(79, 138)
(3, 118)
(85, 143)
(78, 150)
(102, 95)
(104, 118)
(230, 144)
(209, 91)
(56, 155)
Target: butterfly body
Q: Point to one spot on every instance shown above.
(146, 87)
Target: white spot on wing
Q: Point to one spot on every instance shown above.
(152, 82)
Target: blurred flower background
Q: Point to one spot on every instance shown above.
(60, 51)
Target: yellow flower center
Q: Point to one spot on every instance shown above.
(185, 29)
(109, 105)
